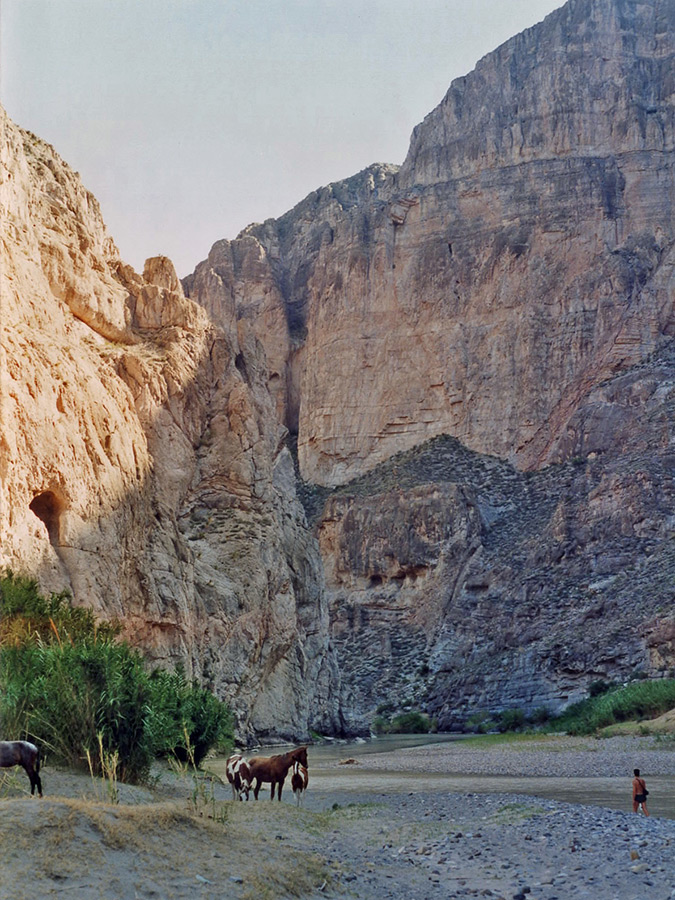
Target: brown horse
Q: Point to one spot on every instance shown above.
(273, 769)
(25, 754)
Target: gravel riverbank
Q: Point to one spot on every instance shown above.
(185, 839)
(508, 846)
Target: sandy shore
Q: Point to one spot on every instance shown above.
(185, 838)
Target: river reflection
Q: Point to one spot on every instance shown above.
(327, 777)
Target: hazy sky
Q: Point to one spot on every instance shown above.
(189, 119)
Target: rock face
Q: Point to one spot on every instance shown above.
(472, 354)
(143, 466)
(522, 254)
(493, 289)
(460, 584)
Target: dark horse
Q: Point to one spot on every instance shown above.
(22, 753)
(273, 769)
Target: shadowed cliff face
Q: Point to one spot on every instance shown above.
(459, 583)
(143, 466)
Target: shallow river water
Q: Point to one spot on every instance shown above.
(329, 778)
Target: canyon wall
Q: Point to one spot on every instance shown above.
(143, 465)
(493, 289)
(522, 254)
(463, 368)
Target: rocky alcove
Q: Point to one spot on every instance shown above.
(48, 507)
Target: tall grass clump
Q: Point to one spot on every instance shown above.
(637, 700)
(69, 683)
(186, 720)
(62, 695)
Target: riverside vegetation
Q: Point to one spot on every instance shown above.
(87, 698)
(607, 707)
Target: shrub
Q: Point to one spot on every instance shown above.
(511, 720)
(26, 616)
(599, 687)
(637, 700)
(406, 723)
(480, 723)
(410, 723)
(381, 725)
(70, 684)
(186, 720)
(64, 696)
(540, 715)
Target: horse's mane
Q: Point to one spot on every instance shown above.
(290, 754)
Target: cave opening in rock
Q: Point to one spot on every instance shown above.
(48, 508)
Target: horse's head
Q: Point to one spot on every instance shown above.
(300, 755)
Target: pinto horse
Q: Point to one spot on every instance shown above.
(25, 754)
(238, 775)
(299, 781)
(273, 769)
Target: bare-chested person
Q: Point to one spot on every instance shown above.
(639, 793)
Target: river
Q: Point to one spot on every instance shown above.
(329, 780)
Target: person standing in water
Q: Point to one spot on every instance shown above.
(639, 793)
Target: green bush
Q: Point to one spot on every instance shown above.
(511, 720)
(410, 723)
(637, 700)
(26, 616)
(381, 725)
(186, 720)
(480, 722)
(599, 687)
(405, 723)
(540, 716)
(68, 683)
(63, 696)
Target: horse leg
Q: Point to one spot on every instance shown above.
(34, 779)
(273, 784)
(36, 774)
(256, 789)
(279, 787)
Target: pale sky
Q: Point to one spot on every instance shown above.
(190, 119)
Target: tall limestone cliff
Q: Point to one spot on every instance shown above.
(523, 253)
(142, 463)
(473, 355)
(512, 286)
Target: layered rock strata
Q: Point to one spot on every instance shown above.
(522, 254)
(459, 584)
(493, 288)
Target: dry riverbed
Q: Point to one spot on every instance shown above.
(185, 838)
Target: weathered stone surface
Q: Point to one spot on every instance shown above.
(523, 253)
(459, 583)
(492, 289)
(142, 461)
